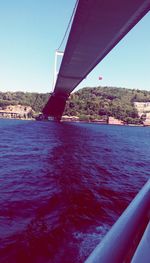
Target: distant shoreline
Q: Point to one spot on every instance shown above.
(78, 121)
(104, 123)
(20, 119)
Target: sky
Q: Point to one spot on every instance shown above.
(31, 31)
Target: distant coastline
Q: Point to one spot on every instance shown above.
(115, 122)
(103, 105)
(110, 121)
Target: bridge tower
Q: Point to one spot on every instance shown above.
(56, 104)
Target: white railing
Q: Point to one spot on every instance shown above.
(122, 240)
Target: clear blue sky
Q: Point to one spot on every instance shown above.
(30, 31)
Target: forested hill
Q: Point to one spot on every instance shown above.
(106, 101)
(35, 100)
(90, 103)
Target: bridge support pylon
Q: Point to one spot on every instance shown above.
(55, 106)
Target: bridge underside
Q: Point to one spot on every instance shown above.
(55, 106)
(97, 27)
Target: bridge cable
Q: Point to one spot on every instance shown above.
(69, 24)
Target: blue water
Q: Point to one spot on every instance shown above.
(63, 185)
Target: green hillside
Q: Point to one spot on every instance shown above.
(35, 100)
(98, 102)
(87, 103)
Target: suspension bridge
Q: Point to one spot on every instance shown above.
(96, 29)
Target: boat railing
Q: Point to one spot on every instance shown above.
(129, 238)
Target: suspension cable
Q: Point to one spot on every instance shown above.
(71, 18)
